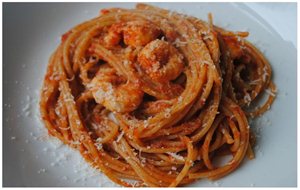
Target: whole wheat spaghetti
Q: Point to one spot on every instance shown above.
(155, 96)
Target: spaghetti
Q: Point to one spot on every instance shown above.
(154, 96)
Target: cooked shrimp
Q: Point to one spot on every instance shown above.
(134, 33)
(114, 35)
(161, 61)
(113, 92)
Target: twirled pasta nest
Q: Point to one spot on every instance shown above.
(155, 96)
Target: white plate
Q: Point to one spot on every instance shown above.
(32, 32)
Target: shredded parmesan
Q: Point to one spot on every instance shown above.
(120, 136)
(270, 92)
(247, 98)
(265, 74)
(98, 146)
(254, 82)
(179, 43)
(75, 143)
(180, 99)
(176, 156)
(168, 113)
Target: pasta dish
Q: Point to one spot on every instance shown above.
(156, 98)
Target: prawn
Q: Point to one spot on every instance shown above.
(161, 61)
(134, 33)
(114, 92)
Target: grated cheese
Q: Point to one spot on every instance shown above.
(176, 156)
(180, 99)
(120, 136)
(168, 113)
(179, 43)
(270, 92)
(254, 82)
(247, 98)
